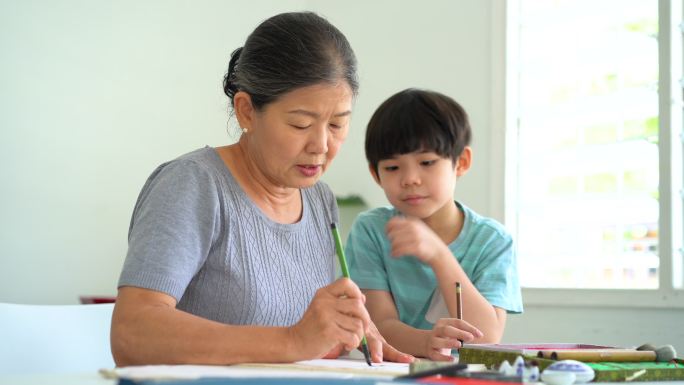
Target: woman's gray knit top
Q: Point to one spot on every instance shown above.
(196, 236)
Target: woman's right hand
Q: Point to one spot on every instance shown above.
(335, 317)
(447, 334)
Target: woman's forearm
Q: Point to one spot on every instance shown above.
(152, 334)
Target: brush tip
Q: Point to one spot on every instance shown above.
(366, 354)
(665, 353)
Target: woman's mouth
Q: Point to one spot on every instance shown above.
(309, 170)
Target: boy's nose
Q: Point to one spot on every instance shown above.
(410, 178)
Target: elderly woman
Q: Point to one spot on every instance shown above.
(230, 256)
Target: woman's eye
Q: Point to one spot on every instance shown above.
(335, 126)
(300, 126)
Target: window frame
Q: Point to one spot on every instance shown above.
(503, 195)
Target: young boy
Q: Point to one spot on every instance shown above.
(407, 258)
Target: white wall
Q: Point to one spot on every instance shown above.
(598, 325)
(94, 95)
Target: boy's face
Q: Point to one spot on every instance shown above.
(420, 183)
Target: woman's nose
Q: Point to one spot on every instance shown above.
(318, 141)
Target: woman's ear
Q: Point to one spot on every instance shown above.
(244, 110)
(374, 173)
(464, 161)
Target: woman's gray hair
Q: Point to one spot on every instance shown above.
(290, 51)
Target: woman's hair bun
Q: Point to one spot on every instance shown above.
(229, 85)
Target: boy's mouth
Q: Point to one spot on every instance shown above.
(413, 199)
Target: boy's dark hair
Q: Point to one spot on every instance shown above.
(286, 52)
(414, 120)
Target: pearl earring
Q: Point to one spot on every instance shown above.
(244, 130)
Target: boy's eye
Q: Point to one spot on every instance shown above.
(391, 168)
(428, 162)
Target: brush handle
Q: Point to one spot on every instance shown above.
(600, 355)
(345, 273)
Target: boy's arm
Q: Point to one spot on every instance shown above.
(411, 236)
(491, 320)
(435, 344)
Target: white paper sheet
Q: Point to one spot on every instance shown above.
(339, 368)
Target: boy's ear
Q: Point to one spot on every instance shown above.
(464, 161)
(373, 173)
(244, 109)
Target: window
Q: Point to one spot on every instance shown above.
(593, 160)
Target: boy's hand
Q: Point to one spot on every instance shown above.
(445, 335)
(411, 236)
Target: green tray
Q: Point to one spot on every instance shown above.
(605, 371)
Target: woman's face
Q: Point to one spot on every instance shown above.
(294, 139)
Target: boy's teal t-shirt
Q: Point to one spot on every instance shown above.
(483, 248)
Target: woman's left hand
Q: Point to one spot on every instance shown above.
(380, 350)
